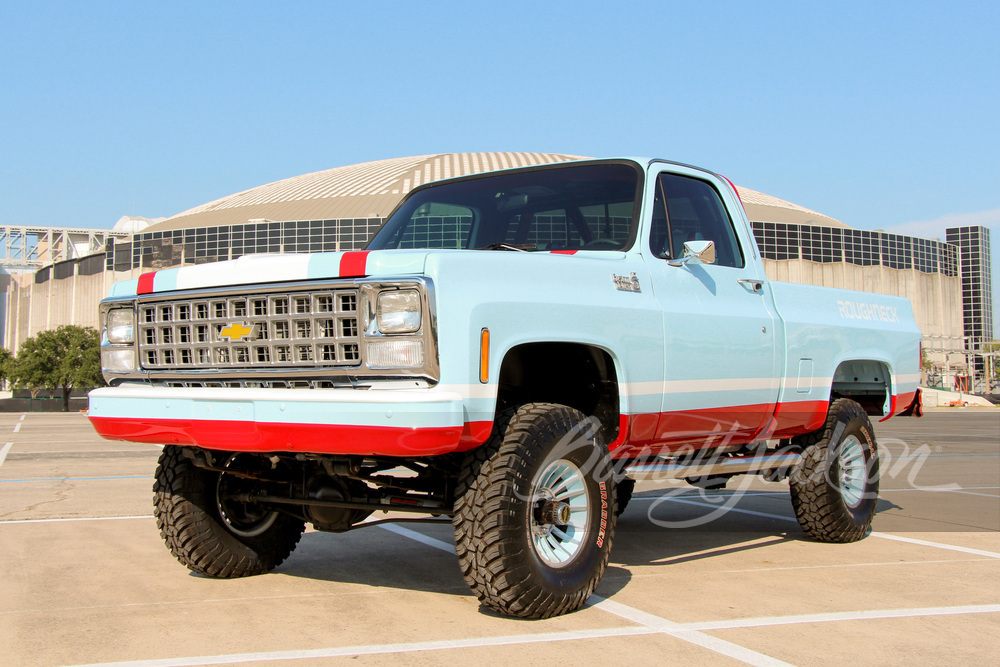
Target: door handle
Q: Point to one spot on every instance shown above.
(752, 283)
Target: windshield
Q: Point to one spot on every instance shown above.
(585, 207)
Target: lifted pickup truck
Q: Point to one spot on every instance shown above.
(508, 348)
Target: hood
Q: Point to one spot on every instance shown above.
(256, 269)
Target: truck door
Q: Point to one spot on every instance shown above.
(720, 374)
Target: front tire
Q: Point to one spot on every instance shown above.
(535, 513)
(835, 487)
(208, 531)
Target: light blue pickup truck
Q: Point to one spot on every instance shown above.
(510, 351)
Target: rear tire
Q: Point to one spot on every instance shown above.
(835, 486)
(209, 532)
(535, 513)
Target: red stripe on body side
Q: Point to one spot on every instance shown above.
(354, 264)
(145, 283)
(799, 418)
(903, 400)
(652, 434)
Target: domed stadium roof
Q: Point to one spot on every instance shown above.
(372, 190)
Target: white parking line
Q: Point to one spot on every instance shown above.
(3, 452)
(653, 623)
(381, 649)
(418, 537)
(939, 545)
(17, 427)
(886, 536)
(845, 616)
(685, 631)
(680, 631)
(85, 518)
(648, 623)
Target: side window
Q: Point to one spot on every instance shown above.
(686, 209)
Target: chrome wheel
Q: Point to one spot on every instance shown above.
(853, 472)
(560, 513)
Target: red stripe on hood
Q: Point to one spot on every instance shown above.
(145, 283)
(353, 264)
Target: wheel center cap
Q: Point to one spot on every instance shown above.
(553, 513)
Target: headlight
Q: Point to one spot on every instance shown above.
(121, 326)
(398, 312)
(117, 361)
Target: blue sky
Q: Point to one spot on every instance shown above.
(884, 115)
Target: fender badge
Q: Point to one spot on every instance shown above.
(237, 332)
(626, 283)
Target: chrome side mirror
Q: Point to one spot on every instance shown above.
(696, 252)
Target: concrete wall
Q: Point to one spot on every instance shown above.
(65, 295)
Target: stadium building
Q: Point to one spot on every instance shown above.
(339, 209)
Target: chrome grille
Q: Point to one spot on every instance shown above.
(314, 329)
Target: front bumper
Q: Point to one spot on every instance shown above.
(385, 422)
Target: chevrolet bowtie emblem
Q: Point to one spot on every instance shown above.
(237, 332)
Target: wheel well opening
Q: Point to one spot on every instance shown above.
(865, 381)
(580, 376)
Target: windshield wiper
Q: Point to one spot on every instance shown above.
(516, 247)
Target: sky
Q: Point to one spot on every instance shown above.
(883, 115)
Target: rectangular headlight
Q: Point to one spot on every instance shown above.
(117, 361)
(398, 312)
(383, 354)
(121, 326)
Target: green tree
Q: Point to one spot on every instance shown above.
(6, 358)
(63, 359)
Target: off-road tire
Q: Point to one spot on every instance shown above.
(623, 494)
(829, 507)
(495, 517)
(194, 529)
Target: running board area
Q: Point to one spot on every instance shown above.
(712, 467)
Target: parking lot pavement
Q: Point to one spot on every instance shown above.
(85, 578)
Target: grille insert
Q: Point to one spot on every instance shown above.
(313, 329)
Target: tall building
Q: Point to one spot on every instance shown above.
(977, 288)
(977, 297)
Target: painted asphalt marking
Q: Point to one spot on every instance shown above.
(886, 536)
(381, 649)
(649, 621)
(964, 492)
(845, 616)
(68, 479)
(17, 427)
(682, 632)
(3, 452)
(939, 545)
(905, 563)
(418, 537)
(650, 624)
(686, 631)
(85, 518)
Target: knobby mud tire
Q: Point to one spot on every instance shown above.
(196, 533)
(494, 513)
(824, 509)
(623, 494)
